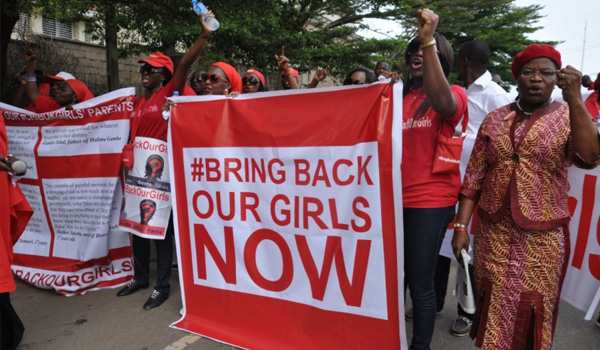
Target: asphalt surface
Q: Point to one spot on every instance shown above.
(101, 320)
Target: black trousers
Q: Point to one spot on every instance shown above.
(11, 327)
(164, 256)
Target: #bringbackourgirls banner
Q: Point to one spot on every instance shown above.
(288, 209)
(72, 242)
(581, 287)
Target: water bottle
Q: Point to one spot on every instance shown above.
(598, 123)
(211, 22)
(167, 114)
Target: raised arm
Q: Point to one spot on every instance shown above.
(435, 84)
(583, 131)
(180, 75)
(31, 88)
(284, 64)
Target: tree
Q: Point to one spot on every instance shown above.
(315, 33)
(499, 23)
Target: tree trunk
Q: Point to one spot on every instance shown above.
(112, 52)
(9, 15)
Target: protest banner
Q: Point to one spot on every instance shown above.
(583, 273)
(72, 243)
(288, 209)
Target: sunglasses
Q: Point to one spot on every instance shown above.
(356, 82)
(196, 78)
(213, 78)
(251, 80)
(150, 70)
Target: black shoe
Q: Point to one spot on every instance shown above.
(131, 287)
(156, 299)
(174, 265)
(598, 321)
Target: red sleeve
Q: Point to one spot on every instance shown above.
(188, 91)
(45, 104)
(461, 102)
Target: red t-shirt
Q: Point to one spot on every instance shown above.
(148, 113)
(420, 187)
(592, 104)
(45, 104)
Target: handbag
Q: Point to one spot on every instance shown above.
(464, 290)
(448, 151)
(127, 155)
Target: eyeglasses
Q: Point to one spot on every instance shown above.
(546, 73)
(150, 70)
(213, 78)
(251, 81)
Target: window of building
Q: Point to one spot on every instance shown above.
(23, 25)
(60, 29)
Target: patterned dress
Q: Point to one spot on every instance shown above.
(517, 174)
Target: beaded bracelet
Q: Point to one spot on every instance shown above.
(32, 79)
(460, 229)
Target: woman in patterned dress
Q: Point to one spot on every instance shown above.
(517, 176)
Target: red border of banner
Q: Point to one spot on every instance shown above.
(257, 322)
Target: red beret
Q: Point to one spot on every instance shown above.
(232, 75)
(159, 60)
(534, 51)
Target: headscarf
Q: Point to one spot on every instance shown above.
(80, 89)
(294, 73)
(534, 51)
(260, 76)
(159, 60)
(232, 75)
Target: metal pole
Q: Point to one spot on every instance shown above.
(583, 51)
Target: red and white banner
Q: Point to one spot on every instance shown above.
(72, 243)
(289, 219)
(583, 273)
(147, 192)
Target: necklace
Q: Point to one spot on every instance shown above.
(523, 111)
(530, 113)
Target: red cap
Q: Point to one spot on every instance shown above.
(60, 76)
(534, 51)
(158, 60)
(232, 76)
(258, 74)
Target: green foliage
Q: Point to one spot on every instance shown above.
(252, 32)
(499, 23)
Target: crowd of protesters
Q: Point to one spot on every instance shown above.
(520, 159)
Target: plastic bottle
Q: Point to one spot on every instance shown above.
(167, 114)
(598, 123)
(211, 22)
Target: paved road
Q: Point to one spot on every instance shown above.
(100, 320)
